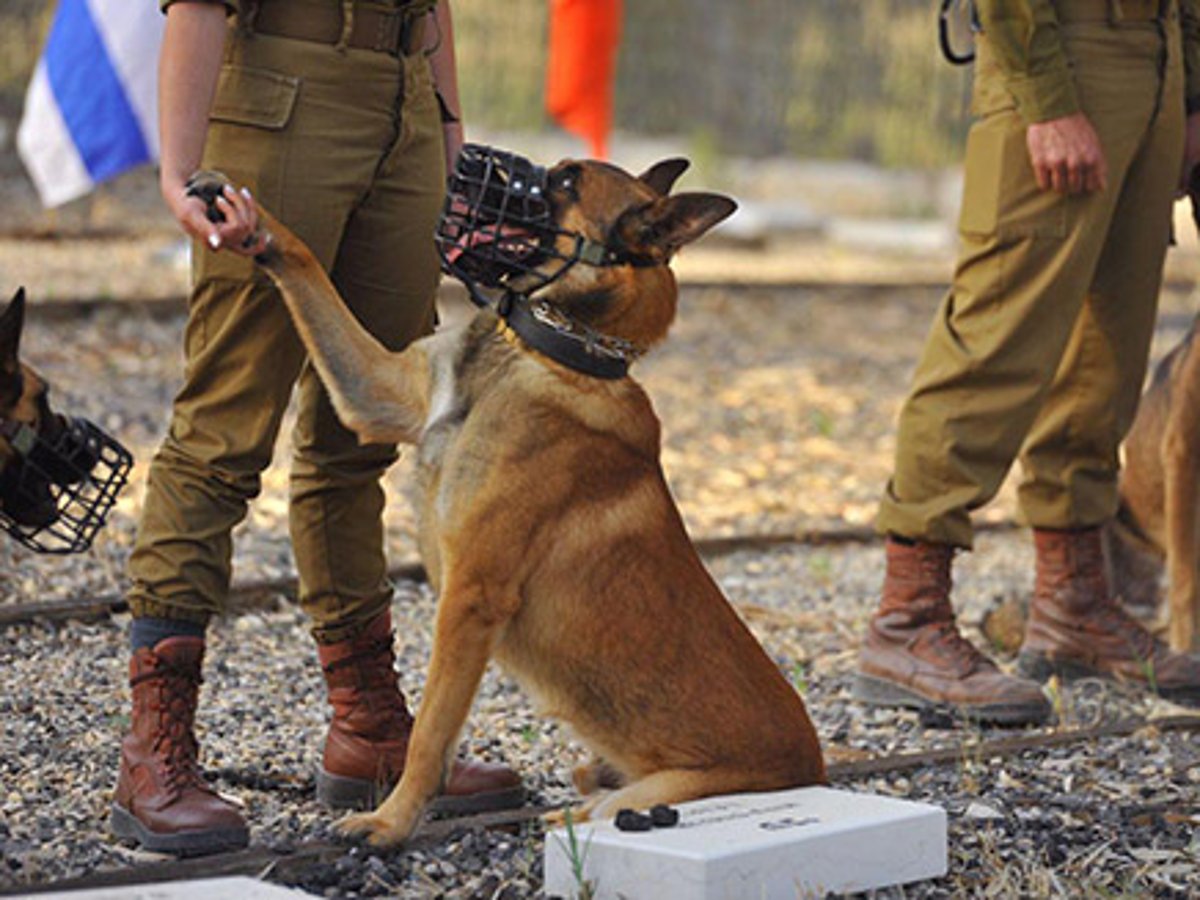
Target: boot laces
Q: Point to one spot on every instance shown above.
(174, 742)
(948, 647)
(375, 672)
(1115, 620)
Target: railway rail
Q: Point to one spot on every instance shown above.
(257, 594)
(279, 863)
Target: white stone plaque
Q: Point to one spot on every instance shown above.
(785, 844)
(236, 887)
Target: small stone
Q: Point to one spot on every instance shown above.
(664, 816)
(630, 820)
(981, 811)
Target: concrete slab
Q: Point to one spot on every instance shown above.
(785, 844)
(237, 887)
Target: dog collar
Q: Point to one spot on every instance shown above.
(569, 343)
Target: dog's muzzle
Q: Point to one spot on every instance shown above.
(60, 483)
(497, 228)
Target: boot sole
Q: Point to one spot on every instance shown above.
(126, 826)
(339, 792)
(878, 692)
(1040, 667)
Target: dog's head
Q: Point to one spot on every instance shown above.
(58, 475)
(584, 236)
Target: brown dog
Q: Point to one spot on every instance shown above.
(1157, 521)
(26, 499)
(59, 475)
(1159, 516)
(546, 521)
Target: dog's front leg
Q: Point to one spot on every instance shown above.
(468, 626)
(382, 396)
(1181, 510)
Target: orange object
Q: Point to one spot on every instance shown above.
(582, 63)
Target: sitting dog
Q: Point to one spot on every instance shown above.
(59, 475)
(546, 523)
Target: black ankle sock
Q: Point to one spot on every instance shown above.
(148, 631)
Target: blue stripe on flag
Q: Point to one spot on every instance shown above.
(90, 96)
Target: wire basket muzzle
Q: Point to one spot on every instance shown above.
(58, 493)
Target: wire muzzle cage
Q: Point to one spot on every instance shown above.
(56, 492)
(497, 228)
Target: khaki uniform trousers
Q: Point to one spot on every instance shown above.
(1040, 347)
(346, 148)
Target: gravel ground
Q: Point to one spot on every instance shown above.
(777, 409)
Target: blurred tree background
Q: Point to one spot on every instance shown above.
(806, 78)
(811, 79)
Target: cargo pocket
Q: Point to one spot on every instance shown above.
(248, 141)
(1001, 197)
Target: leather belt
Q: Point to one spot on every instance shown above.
(1113, 11)
(396, 31)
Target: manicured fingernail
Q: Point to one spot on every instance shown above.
(214, 241)
(246, 193)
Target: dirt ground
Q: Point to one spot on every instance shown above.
(778, 390)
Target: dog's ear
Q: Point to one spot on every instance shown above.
(11, 322)
(663, 174)
(665, 225)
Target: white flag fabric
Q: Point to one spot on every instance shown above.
(91, 107)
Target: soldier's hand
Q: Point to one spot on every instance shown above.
(1066, 155)
(1191, 153)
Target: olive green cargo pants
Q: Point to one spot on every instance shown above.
(345, 147)
(1040, 346)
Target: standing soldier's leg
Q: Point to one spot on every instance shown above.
(1027, 259)
(386, 269)
(1070, 459)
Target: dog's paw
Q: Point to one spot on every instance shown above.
(568, 815)
(374, 828)
(208, 185)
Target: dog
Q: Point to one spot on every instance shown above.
(59, 475)
(1157, 525)
(546, 524)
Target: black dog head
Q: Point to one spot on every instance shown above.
(58, 475)
(24, 412)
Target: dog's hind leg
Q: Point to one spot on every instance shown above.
(671, 786)
(596, 775)
(1182, 515)
(468, 626)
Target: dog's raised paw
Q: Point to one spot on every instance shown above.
(372, 827)
(208, 185)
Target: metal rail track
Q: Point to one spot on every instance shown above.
(253, 595)
(287, 863)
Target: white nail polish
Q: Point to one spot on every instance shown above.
(214, 241)
(246, 193)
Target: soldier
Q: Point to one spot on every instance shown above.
(341, 117)
(1039, 349)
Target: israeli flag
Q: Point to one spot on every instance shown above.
(91, 108)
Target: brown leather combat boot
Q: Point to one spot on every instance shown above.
(1076, 629)
(368, 736)
(161, 800)
(914, 656)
